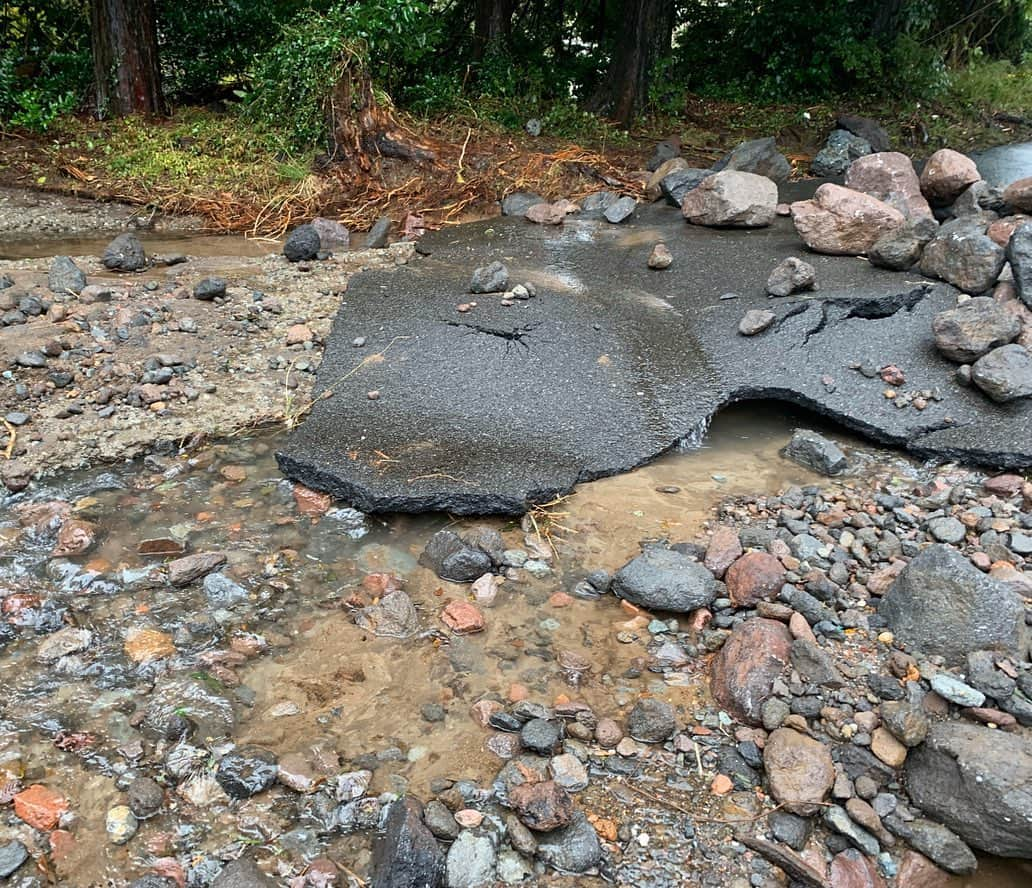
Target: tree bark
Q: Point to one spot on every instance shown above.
(126, 68)
(492, 23)
(648, 27)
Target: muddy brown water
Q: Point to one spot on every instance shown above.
(325, 683)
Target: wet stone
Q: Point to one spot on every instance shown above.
(755, 321)
(471, 861)
(246, 771)
(184, 571)
(791, 829)
(242, 873)
(568, 772)
(120, 824)
(572, 849)
(621, 210)
(440, 821)
(407, 855)
(663, 579)
(651, 721)
(542, 736)
(956, 691)
(209, 289)
(125, 253)
(146, 797)
(302, 244)
(12, 856)
(816, 452)
(542, 806)
(221, 591)
(493, 278)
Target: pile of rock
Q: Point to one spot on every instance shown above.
(863, 655)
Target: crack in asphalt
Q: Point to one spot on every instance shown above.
(511, 337)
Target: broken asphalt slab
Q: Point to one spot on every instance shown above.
(495, 409)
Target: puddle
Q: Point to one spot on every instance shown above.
(161, 244)
(1005, 163)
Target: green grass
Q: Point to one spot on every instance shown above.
(193, 151)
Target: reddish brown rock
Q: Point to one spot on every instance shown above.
(946, 176)
(542, 806)
(1001, 230)
(799, 770)
(988, 716)
(889, 176)
(40, 807)
(299, 334)
(851, 869)
(1004, 485)
(756, 576)
(917, 871)
(184, 571)
(462, 617)
(74, 538)
(1019, 194)
(310, 502)
(843, 222)
(743, 673)
(43, 516)
(888, 748)
(724, 547)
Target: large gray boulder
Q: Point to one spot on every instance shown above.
(732, 199)
(662, 579)
(900, 249)
(1005, 373)
(963, 255)
(125, 253)
(942, 604)
(759, 156)
(677, 184)
(978, 782)
(841, 149)
(866, 128)
(973, 328)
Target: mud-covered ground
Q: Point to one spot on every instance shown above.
(135, 362)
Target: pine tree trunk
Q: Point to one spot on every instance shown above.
(126, 68)
(648, 27)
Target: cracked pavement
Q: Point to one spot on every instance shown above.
(617, 363)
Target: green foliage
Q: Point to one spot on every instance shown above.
(205, 44)
(796, 50)
(294, 79)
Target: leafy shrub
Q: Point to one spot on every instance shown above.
(294, 79)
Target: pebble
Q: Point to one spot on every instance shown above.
(12, 855)
(120, 824)
(956, 691)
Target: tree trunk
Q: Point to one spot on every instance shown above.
(126, 68)
(492, 22)
(362, 130)
(648, 27)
